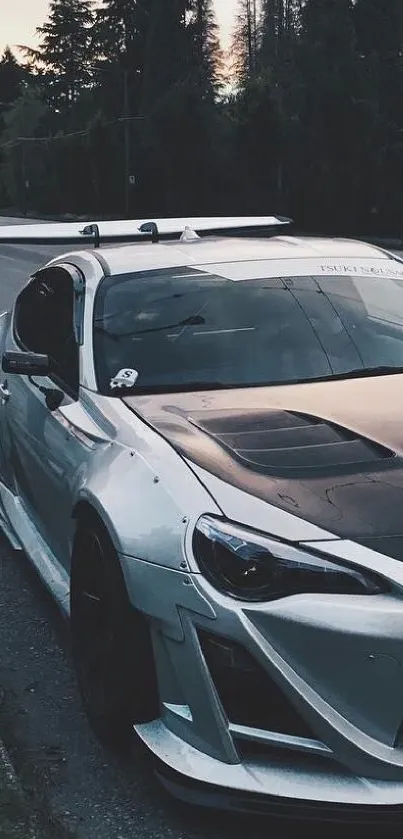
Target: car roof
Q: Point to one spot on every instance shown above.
(147, 257)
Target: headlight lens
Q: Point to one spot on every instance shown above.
(253, 567)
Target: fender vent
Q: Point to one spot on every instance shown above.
(289, 442)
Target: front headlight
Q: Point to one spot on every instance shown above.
(253, 567)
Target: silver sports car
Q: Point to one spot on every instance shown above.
(201, 452)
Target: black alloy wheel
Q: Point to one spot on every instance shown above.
(111, 642)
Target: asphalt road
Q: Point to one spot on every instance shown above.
(85, 792)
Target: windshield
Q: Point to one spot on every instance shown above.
(188, 328)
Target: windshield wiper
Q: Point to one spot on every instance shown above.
(195, 320)
(179, 388)
(362, 373)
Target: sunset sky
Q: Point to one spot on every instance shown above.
(19, 19)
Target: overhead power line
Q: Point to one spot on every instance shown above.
(56, 137)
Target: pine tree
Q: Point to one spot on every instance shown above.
(379, 30)
(323, 18)
(119, 47)
(329, 49)
(167, 49)
(23, 162)
(12, 75)
(379, 26)
(180, 82)
(331, 90)
(64, 49)
(244, 48)
(279, 25)
(120, 32)
(204, 46)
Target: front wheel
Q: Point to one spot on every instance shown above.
(111, 642)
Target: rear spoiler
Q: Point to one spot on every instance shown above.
(103, 232)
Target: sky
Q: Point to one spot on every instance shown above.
(19, 19)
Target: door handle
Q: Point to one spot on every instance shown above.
(4, 392)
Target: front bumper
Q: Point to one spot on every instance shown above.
(326, 738)
(280, 789)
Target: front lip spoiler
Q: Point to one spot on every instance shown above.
(206, 795)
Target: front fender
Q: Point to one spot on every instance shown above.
(143, 516)
(5, 320)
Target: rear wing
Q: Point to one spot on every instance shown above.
(103, 232)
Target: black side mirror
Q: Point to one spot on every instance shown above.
(26, 363)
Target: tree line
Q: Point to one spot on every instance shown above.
(129, 107)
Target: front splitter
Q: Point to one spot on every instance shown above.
(286, 785)
(205, 795)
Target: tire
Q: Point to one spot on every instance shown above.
(111, 643)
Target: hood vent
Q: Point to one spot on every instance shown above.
(288, 442)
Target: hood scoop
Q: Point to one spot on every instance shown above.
(289, 442)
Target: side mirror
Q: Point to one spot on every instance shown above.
(26, 363)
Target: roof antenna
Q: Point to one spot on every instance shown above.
(92, 230)
(151, 227)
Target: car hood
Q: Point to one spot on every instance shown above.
(330, 453)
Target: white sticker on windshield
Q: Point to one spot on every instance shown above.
(383, 270)
(126, 378)
(263, 269)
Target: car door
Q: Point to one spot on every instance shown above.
(6, 472)
(44, 454)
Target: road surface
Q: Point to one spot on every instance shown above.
(86, 793)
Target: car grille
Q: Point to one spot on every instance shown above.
(247, 693)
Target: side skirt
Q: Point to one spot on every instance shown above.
(19, 529)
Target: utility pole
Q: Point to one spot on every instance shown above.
(24, 179)
(127, 140)
(23, 167)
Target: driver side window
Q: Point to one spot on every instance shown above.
(44, 323)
